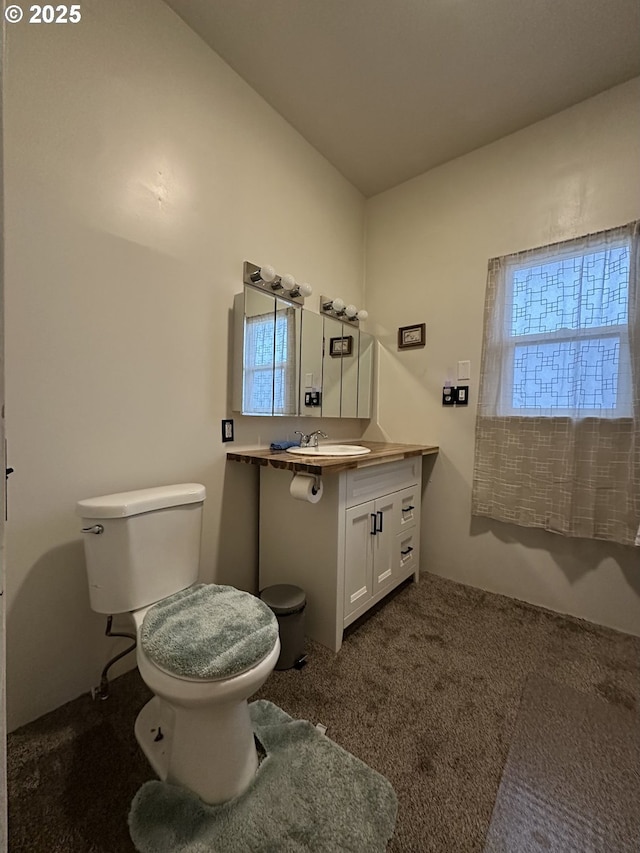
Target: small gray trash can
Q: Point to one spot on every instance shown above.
(288, 603)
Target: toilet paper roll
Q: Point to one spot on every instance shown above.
(303, 488)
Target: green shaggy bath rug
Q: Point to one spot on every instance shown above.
(308, 796)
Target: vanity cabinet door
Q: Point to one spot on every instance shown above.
(358, 556)
(384, 557)
(371, 550)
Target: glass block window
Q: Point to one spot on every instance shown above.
(565, 334)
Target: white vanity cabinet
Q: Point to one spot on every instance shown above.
(382, 544)
(348, 550)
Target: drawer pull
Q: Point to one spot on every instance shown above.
(407, 508)
(374, 531)
(408, 551)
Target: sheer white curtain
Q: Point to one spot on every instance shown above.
(558, 425)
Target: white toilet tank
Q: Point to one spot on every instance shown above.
(141, 546)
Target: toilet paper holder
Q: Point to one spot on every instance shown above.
(312, 491)
(317, 480)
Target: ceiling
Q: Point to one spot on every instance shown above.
(386, 89)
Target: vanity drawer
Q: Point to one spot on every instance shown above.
(368, 483)
(409, 508)
(407, 551)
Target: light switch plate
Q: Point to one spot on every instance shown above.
(462, 395)
(464, 370)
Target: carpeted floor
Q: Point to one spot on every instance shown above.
(572, 778)
(426, 690)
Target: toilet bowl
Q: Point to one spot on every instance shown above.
(196, 731)
(203, 649)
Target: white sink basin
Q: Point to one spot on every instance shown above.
(331, 450)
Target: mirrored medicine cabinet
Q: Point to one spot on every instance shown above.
(292, 361)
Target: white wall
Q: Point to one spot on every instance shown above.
(140, 173)
(428, 242)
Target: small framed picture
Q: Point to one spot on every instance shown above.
(340, 346)
(412, 336)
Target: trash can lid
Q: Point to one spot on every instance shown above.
(284, 598)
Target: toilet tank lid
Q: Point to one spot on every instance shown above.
(123, 504)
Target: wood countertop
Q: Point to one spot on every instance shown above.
(380, 452)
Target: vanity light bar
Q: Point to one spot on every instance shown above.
(284, 286)
(346, 313)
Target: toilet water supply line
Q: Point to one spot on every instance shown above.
(102, 692)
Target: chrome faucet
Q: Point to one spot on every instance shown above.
(313, 437)
(310, 440)
(304, 438)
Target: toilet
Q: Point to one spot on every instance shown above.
(202, 649)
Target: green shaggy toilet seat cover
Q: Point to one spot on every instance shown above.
(208, 631)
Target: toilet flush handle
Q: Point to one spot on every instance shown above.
(97, 528)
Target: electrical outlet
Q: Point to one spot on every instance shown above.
(312, 398)
(227, 429)
(448, 396)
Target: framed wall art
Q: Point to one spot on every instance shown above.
(341, 346)
(412, 336)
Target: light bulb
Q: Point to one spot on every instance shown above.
(305, 289)
(288, 281)
(338, 305)
(362, 315)
(267, 274)
(351, 311)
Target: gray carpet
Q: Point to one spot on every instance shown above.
(426, 690)
(308, 796)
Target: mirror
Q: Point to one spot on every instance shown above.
(286, 365)
(288, 361)
(258, 355)
(266, 354)
(331, 368)
(311, 365)
(365, 375)
(349, 391)
(352, 384)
